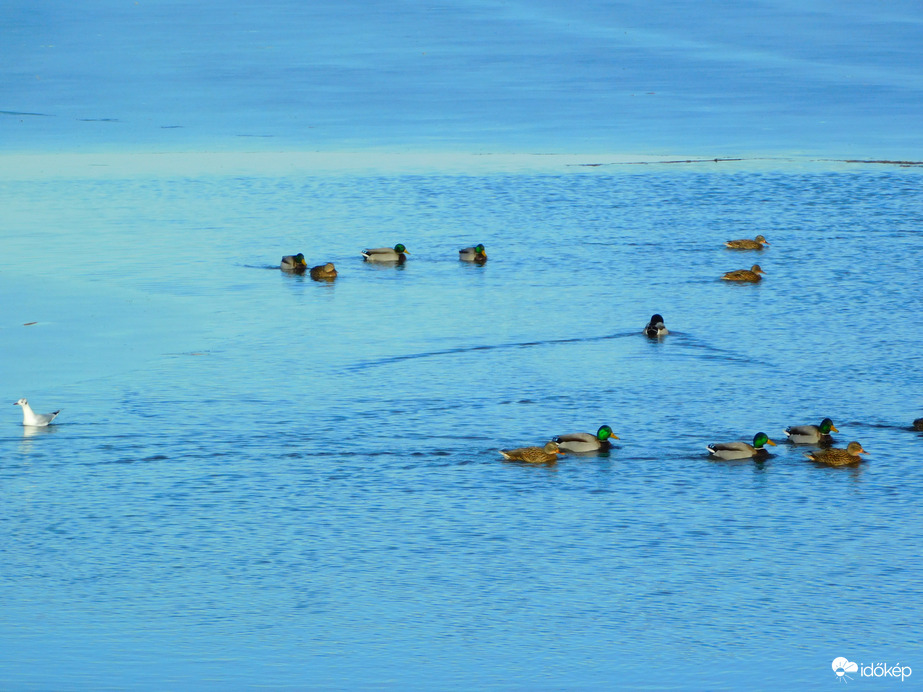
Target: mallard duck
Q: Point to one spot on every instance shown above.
(324, 272)
(293, 263)
(533, 455)
(655, 328)
(918, 424)
(811, 434)
(37, 420)
(473, 254)
(747, 244)
(386, 254)
(752, 274)
(741, 450)
(836, 456)
(585, 442)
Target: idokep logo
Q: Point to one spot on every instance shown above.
(842, 666)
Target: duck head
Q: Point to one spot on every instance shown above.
(604, 433)
(826, 427)
(761, 439)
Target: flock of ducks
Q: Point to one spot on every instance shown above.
(582, 442)
(297, 264)
(817, 435)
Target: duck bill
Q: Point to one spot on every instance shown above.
(614, 437)
(833, 429)
(770, 442)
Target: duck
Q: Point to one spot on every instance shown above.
(37, 420)
(752, 274)
(324, 272)
(534, 455)
(386, 254)
(586, 442)
(655, 328)
(747, 244)
(811, 434)
(836, 456)
(293, 263)
(741, 450)
(473, 254)
(918, 424)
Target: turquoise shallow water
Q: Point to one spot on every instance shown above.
(260, 479)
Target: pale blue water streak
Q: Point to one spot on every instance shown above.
(710, 78)
(260, 479)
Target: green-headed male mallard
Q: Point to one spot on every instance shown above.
(656, 328)
(293, 263)
(324, 272)
(752, 274)
(747, 244)
(586, 442)
(533, 455)
(33, 419)
(836, 456)
(811, 434)
(386, 254)
(473, 254)
(741, 450)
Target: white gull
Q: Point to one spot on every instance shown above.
(30, 417)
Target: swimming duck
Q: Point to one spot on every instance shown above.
(324, 272)
(918, 424)
(811, 434)
(585, 442)
(741, 450)
(533, 455)
(655, 327)
(752, 274)
(38, 420)
(747, 244)
(386, 254)
(836, 456)
(473, 254)
(293, 263)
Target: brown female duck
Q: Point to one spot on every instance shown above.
(533, 455)
(752, 274)
(324, 272)
(747, 244)
(838, 457)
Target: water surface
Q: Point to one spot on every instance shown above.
(260, 477)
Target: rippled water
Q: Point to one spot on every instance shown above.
(261, 479)
(257, 480)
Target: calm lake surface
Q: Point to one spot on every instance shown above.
(259, 480)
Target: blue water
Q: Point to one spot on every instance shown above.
(258, 480)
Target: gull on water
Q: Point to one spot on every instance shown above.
(30, 417)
